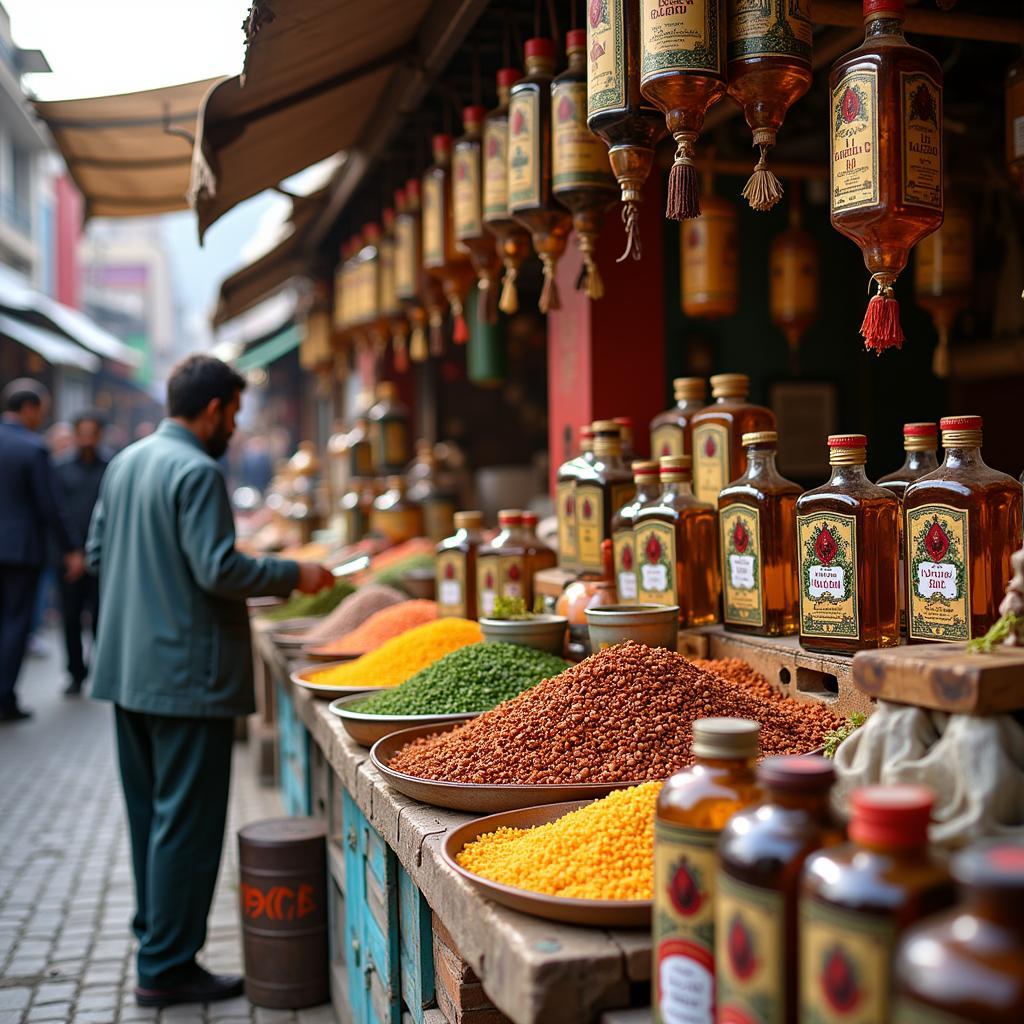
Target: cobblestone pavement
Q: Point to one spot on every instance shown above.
(66, 896)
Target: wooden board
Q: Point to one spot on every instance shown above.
(944, 677)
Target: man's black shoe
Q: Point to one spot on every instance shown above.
(74, 688)
(14, 714)
(204, 987)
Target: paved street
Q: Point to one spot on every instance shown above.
(65, 881)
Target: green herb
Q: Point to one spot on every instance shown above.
(539, 608)
(836, 736)
(1000, 631)
(392, 575)
(510, 608)
(308, 605)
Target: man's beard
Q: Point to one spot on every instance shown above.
(217, 445)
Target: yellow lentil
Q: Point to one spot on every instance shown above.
(603, 851)
(402, 656)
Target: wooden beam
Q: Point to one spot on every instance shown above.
(952, 24)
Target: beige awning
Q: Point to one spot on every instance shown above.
(130, 155)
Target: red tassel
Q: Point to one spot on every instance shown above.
(881, 327)
(460, 331)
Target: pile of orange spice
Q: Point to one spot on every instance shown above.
(381, 627)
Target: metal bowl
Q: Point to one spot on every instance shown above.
(366, 729)
(656, 625)
(544, 632)
(302, 677)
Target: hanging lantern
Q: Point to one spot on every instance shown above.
(1015, 122)
(710, 259)
(616, 109)
(581, 177)
(769, 49)
(513, 243)
(682, 72)
(529, 165)
(886, 166)
(793, 280)
(944, 276)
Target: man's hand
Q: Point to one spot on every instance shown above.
(74, 566)
(313, 578)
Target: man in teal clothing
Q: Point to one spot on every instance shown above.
(173, 654)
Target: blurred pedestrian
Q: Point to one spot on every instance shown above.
(173, 653)
(79, 473)
(30, 513)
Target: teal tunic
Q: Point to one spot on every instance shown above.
(174, 634)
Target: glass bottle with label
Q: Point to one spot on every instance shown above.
(670, 430)
(645, 477)
(355, 507)
(962, 524)
(393, 515)
(856, 900)
(538, 555)
(718, 452)
(601, 488)
(407, 266)
(967, 964)
(693, 808)
(762, 852)
(530, 199)
(389, 430)
(456, 567)
(625, 425)
(676, 543)
(437, 505)
(565, 500)
(846, 535)
(501, 569)
(757, 533)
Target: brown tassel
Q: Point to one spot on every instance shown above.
(509, 293)
(763, 190)
(881, 327)
(549, 297)
(630, 220)
(593, 286)
(418, 344)
(683, 188)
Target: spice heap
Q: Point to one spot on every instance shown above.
(307, 605)
(622, 715)
(392, 576)
(474, 678)
(403, 656)
(600, 852)
(353, 612)
(389, 622)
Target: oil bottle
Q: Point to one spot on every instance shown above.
(671, 430)
(601, 489)
(645, 477)
(456, 567)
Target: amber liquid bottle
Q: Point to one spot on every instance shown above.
(389, 430)
(625, 425)
(718, 453)
(393, 516)
(968, 963)
(670, 430)
(693, 808)
(601, 489)
(757, 534)
(456, 567)
(501, 567)
(436, 504)
(962, 523)
(676, 543)
(538, 555)
(645, 477)
(565, 500)
(762, 852)
(856, 900)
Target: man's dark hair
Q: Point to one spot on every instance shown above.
(23, 391)
(88, 416)
(196, 381)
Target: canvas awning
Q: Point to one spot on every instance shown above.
(56, 350)
(267, 352)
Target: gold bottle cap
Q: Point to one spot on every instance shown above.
(386, 391)
(760, 437)
(730, 385)
(960, 431)
(675, 467)
(510, 517)
(605, 427)
(847, 449)
(625, 425)
(607, 444)
(725, 738)
(920, 437)
(647, 468)
(468, 520)
(689, 387)
(530, 519)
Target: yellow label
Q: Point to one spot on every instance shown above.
(768, 28)
(711, 444)
(433, 220)
(922, 139)
(606, 71)
(451, 584)
(750, 953)
(680, 35)
(578, 156)
(625, 565)
(909, 1011)
(566, 506)
(668, 439)
(845, 961)
(655, 547)
(854, 129)
(938, 570)
(496, 168)
(512, 578)
(466, 195)
(388, 301)
(827, 545)
(487, 580)
(742, 568)
(524, 144)
(683, 968)
(589, 526)
(405, 257)
(709, 265)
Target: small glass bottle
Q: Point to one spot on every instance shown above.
(856, 900)
(670, 430)
(456, 567)
(538, 555)
(846, 541)
(501, 564)
(393, 515)
(355, 507)
(693, 808)
(762, 852)
(389, 430)
(718, 454)
(757, 534)
(645, 477)
(676, 541)
(962, 524)
(601, 488)
(565, 499)
(438, 505)
(968, 963)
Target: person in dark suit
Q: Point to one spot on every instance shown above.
(30, 510)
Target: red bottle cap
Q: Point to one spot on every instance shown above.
(847, 441)
(576, 39)
(412, 188)
(920, 430)
(624, 421)
(960, 423)
(442, 141)
(996, 864)
(891, 815)
(508, 77)
(371, 231)
(388, 216)
(510, 517)
(806, 774)
(896, 7)
(540, 47)
(473, 115)
(399, 198)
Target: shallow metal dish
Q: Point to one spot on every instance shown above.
(367, 729)
(312, 655)
(291, 633)
(301, 677)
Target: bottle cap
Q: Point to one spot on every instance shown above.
(388, 217)
(992, 864)
(530, 519)
(540, 47)
(760, 437)
(806, 774)
(412, 188)
(920, 437)
(920, 430)
(624, 422)
(725, 738)
(605, 427)
(586, 430)
(960, 431)
(847, 449)
(646, 468)
(399, 199)
(473, 115)
(675, 463)
(507, 77)
(510, 517)
(894, 8)
(386, 390)
(730, 385)
(441, 143)
(576, 39)
(689, 387)
(891, 815)
(467, 520)
(371, 232)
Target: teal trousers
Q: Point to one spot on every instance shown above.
(175, 773)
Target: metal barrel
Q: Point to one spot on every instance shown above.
(283, 898)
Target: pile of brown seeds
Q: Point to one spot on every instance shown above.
(623, 715)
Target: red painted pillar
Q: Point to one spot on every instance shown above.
(68, 229)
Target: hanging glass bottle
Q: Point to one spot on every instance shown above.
(710, 259)
(369, 288)
(793, 280)
(396, 326)
(1015, 122)
(408, 269)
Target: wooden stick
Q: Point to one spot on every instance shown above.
(953, 24)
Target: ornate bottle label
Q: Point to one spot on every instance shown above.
(433, 221)
(768, 28)
(405, 257)
(524, 142)
(486, 584)
(827, 545)
(606, 73)
(667, 440)
(910, 1011)
(683, 968)
(512, 576)
(938, 567)
(388, 304)
(742, 570)
(656, 563)
(578, 156)
(845, 963)
(710, 461)
(750, 952)
(679, 35)
(566, 506)
(589, 526)
(451, 584)
(922, 139)
(625, 565)
(466, 198)
(496, 168)
(854, 130)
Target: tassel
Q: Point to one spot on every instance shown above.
(763, 190)
(590, 279)
(549, 297)
(630, 218)
(418, 344)
(683, 189)
(509, 293)
(881, 327)
(460, 330)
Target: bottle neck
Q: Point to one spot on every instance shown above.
(883, 25)
(816, 804)
(849, 473)
(735, 765)
(963, 457)
(504, 94)
(578, 61)
(921, 461)
(676, 487)
(760, 462)
(730, 399)
(646, 491)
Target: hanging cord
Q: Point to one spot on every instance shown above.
(630, 221)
